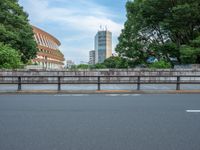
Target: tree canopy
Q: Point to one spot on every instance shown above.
(15, 29)
(165, 29)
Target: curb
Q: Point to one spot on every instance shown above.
(102, 92)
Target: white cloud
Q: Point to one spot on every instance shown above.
(80, 20)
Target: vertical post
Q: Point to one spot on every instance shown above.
(99, 83)
(59, 84)
(178, 87)
(138, 83)
(19, 84)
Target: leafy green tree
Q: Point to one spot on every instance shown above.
(9, 57)
(160, 28)
(15, 29)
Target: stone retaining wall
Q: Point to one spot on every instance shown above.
(105, 72)
(136, 72)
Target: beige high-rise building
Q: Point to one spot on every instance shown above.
(103, 46)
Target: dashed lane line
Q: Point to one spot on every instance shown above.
(193, 111)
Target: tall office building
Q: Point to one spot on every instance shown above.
(92, 57)
(103, 46)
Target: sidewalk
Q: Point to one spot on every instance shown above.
(103, 92)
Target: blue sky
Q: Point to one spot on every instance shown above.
(75, 22)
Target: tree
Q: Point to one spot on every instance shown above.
(15, 29)
(9, 57)
(129, 46)
(160, 28)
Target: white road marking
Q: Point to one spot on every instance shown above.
(112, 94)
(122, 94)
(135, 94)
(61, 95)
(193, 111)
(79, 95)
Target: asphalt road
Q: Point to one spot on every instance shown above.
(99, 122)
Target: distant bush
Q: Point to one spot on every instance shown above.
(82, 66)
(160, 65)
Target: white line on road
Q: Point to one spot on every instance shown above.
(193, 111)
(61, 95)
(112, 94)
(122, 94)
(116, 95)
(130, 94)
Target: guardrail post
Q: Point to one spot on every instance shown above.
(178, 86)
(99, 83)
(19, 84)
(138, 83)
(59, 84)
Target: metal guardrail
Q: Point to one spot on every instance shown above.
(98, 80)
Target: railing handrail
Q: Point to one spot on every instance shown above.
(96, 76)
(138, 81)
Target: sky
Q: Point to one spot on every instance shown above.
(75, 22)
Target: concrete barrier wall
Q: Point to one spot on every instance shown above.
(105, 72)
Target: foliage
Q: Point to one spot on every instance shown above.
(73, 67)
(99, 66)
(82, 66)
(15, 29)
(86, 66)
(160, 65)
(9, 58)
(190, 54)
(162, 28)
(115, 62)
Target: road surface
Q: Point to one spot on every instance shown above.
(100, 122)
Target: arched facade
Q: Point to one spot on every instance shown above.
(49, 56)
